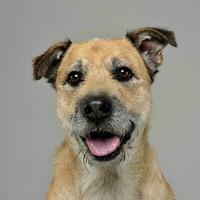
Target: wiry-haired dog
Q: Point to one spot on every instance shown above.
(104, 102)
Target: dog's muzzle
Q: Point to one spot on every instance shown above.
(102, 144)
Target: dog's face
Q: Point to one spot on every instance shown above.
(103, 95)
(103, 90)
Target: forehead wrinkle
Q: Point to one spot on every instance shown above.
(118, 62)
(78, 66)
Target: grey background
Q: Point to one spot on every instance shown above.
(29, 129)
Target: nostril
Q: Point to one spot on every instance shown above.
(87, 109)
(105, 108)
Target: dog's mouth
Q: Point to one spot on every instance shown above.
(106, 145)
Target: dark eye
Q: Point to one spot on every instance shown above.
(74, 78)
(122, 74)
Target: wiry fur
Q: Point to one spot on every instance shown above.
(135, 173)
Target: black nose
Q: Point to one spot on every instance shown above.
(96, 109)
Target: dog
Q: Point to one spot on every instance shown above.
(103, 89)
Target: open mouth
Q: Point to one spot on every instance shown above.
(106, 145)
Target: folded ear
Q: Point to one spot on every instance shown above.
(46, 64)
(150, 41)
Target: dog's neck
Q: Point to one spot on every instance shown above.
(117, 182)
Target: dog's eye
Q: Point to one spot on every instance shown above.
(74, 78)
(122, 74)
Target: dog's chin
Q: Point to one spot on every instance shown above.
(106, 146)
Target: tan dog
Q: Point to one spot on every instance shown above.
(104, 102)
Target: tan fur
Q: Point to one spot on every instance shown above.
(138, 178)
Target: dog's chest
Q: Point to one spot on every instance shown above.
(108, 187)
(107, 193)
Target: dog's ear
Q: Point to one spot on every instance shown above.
(46, 64)
(150, 41)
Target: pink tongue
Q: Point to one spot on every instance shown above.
(103, 147)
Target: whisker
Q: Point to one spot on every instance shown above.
(85, 161)
(77, 156)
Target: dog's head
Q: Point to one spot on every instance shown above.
(103, 90)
